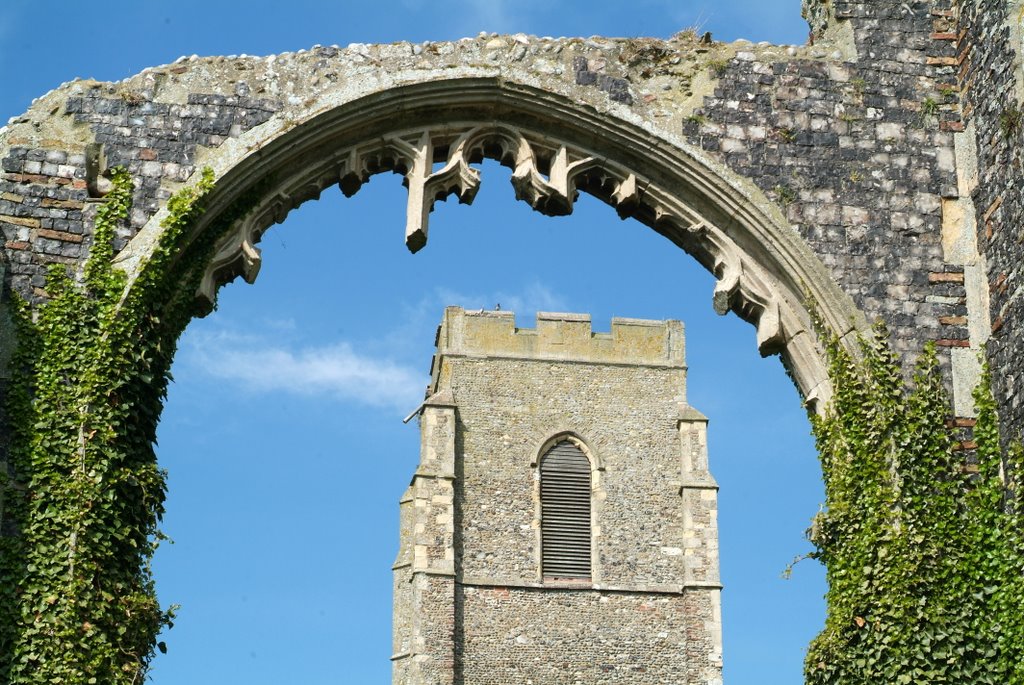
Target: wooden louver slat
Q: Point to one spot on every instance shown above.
(565, 512)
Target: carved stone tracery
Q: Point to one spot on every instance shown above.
(546, 174)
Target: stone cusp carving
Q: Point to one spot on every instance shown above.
(548, 175)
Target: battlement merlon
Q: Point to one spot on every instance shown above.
(560, 337)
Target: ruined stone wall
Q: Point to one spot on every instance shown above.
(838, 134)
(48, 199)
(45, 204)
(850, 139)
(857, 147)
(650, 611)
(989, 69)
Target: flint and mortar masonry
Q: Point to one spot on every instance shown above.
(650, 613)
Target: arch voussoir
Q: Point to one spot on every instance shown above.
(764, 273)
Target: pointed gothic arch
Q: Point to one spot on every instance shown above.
(556, 148)
(566, 518)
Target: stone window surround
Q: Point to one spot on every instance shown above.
(597, 496)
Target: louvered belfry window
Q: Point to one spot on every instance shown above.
(565, 512)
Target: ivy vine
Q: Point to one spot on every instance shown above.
(924, 556)
(924, 552)
(78, 603)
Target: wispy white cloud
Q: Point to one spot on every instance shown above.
(283, 325)
(535, 297)
(424, 314)
(388, 371)
(337, 371)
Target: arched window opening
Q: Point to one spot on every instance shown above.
(565, 513)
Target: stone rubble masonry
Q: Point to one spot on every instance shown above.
(860, 153)
(43, 193)
(471, 605)
(854, 137)
(990, 77)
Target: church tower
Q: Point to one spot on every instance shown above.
(562, 524)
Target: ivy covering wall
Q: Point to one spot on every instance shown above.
(921, 540)
(77, 601)
(923, 550)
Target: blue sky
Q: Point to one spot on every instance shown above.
(282, 433)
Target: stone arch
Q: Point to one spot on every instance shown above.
(597, 495)
(603, 105)
(556, 147)
(586, 446)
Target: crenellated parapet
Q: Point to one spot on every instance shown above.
(561, 336)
